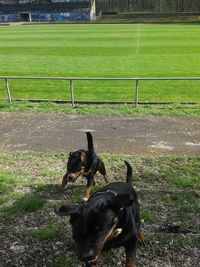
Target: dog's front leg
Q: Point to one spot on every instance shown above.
(90, 264)
(88, 188)
(130, 250)
(64, 181)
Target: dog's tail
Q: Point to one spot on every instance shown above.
(129, 174)
(90, 142)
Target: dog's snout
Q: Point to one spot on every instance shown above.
(68, 177)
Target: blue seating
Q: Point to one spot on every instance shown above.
(51, 7)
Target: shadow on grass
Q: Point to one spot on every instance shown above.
(63, 261)
(39, 197)
(27, 203)
(72, 193)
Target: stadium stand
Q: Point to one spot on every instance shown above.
(58, 11)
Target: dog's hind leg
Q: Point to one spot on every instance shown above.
(102, 170)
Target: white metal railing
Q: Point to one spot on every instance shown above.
(71, 79)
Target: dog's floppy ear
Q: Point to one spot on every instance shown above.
(101, 204)
(67, 210)
(116, 202)
(122, 201)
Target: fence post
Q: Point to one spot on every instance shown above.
(71, 92)
(136, 92)
(8, 91)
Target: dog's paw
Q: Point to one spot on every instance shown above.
(64, 186)
(85, 199)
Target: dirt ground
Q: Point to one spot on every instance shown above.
(139, 135)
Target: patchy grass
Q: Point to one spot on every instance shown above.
(108, 257)
(24, 204)
(28, 204)
(168, 188)
(63, 261)
(146, 216)
(108, 109)
(48, 232)
(7, 177)
(187, 203)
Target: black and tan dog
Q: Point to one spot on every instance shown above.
(109, 219)
(86, 163)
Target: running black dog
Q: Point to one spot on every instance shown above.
(86, 163)
(109, 219)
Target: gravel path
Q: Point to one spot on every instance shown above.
(139, 135)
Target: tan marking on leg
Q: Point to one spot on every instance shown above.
(77, 174)
(86, 193)
(141, 238)
(111, 232)
(99, 246)
(115, 233)
(130, 262)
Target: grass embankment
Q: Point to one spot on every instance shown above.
(87, 50)
(169, 191)
(106, 109)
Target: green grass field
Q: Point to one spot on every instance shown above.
(128, 50)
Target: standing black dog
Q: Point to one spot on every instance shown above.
(86, 163)
(109, 219)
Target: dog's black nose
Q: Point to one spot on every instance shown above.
(88, 256)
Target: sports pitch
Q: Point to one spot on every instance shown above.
(91, 50)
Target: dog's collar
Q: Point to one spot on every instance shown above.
(91, 261)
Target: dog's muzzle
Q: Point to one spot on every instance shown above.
(68, 177)
(71, 177)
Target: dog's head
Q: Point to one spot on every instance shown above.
(75, 166)
(93, 223)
